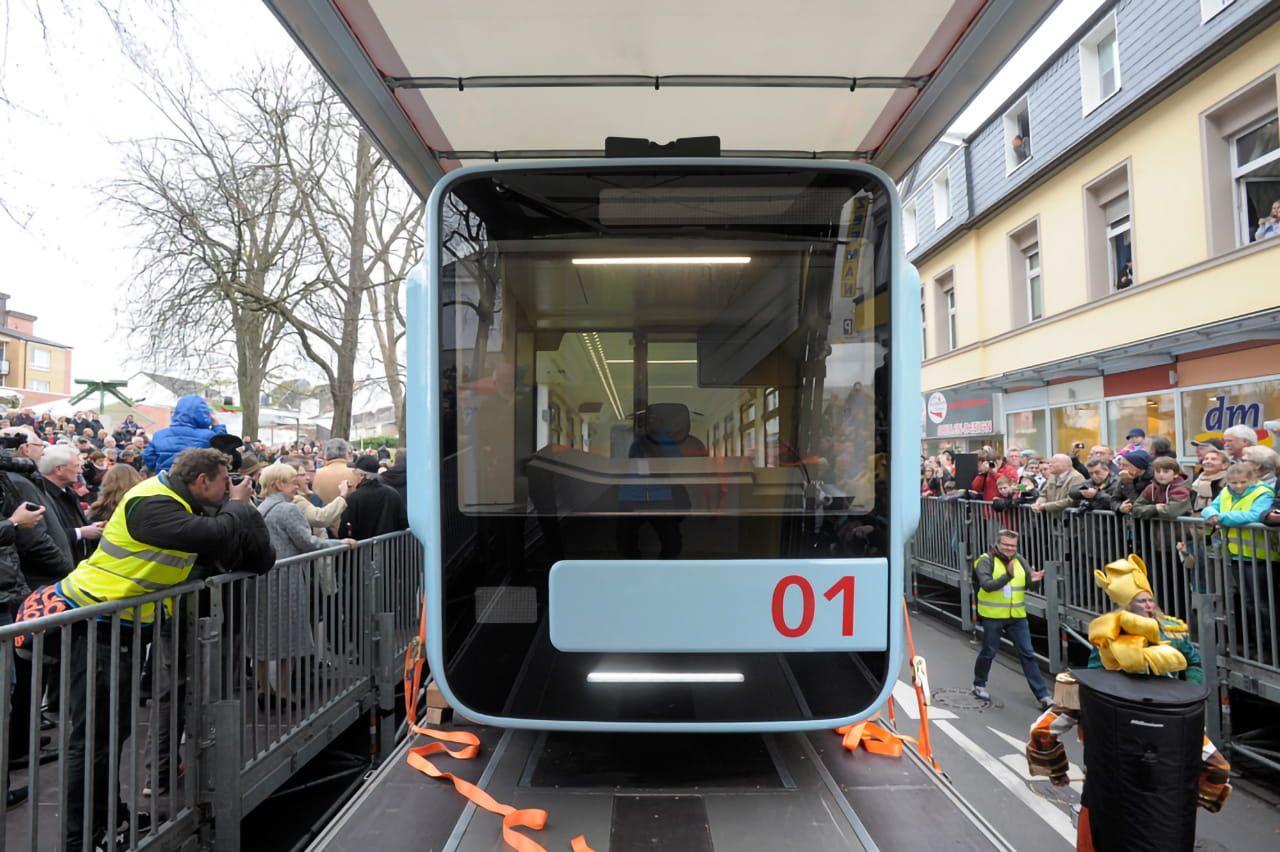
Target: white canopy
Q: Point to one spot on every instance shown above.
(443, 82)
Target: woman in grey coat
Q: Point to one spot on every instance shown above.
(281, 598)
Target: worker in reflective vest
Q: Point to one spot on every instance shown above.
(1002, 579)
(155, 537)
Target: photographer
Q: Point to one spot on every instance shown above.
(161, 529)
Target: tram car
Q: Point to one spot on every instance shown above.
(654, 408)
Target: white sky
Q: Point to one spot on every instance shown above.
(74, 99)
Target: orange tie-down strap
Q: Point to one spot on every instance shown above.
(512, 818)
(874, 738)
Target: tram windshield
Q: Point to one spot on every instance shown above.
(655, 369)
(665, 341)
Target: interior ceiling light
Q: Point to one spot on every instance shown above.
(632, 361)
(661, 261)
(665, 677)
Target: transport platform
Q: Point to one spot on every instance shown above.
(771, 792)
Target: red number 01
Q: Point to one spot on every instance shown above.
(843, 586)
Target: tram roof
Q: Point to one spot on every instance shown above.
(444, 83)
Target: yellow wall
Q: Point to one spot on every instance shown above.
(1166, 171)
(21, 373)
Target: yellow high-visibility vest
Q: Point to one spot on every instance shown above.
(1009, 601)
(1242, 542)
(123, 567)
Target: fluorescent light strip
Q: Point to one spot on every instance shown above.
(665, 677)
(595, 351)
(660, 261)
(630, 361)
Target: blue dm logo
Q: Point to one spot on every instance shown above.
(1223, 416)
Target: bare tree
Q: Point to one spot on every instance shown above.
(219, 229)
(361, 226)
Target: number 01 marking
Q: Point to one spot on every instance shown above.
(842, 588)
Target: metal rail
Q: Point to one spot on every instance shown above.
(1225, 583)
(178, 712)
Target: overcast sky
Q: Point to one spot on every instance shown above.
(73, 100)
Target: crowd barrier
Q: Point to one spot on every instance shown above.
(169, 732)
(1225, 583)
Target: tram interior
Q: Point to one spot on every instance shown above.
(656, 399)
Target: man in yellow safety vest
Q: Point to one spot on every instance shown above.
(158, 533)
(1002, 586)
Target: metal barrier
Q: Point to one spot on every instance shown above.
(178, 712)
(1225, 583)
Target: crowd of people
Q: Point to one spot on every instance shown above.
(1232, 482)
(94, 515)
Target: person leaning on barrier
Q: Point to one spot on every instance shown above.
(1214, 462)
(1168, 496)
(1056, 494)
(1135, 475)
(1002, 580)
(1099, 491)
(162, 527)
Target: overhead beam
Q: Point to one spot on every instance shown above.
(591, 153)
(642, 81)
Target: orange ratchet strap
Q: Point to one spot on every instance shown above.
(872, 737)
(512, 818)
(926, 750)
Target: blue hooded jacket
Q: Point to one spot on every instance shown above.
(191, 426)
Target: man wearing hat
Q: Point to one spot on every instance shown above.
(1135, 476)
(373, 508)
(1149, 763)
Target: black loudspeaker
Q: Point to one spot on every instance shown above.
(1142, 750)
(966, 469)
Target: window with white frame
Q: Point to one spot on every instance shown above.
(38, 359)
(39, 385)
(1035, 290)
(1017, 134)
(909, 225)
(942, 197)
(949, 299)
(1209, 8)
(1100, 63)
(1255, 173)
(1119, 242)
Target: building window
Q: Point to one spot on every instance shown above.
(1100, 64)
(39, 359)
(1026, 284)
(1017, 133)
(1255, 173)
(729, 447)
(1026, 430)
(909, 225)
(1035, 293)
(949, 299)
(747, 415)
(39, 385)
(1153, 414)
(1119, 243)
(772, 427)
(1241, 166)
(1209, 8)
(1076, 423)
(1206, 412)
(942, 197)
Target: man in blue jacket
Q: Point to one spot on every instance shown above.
(193, 425)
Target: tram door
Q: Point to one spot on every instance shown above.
(658, 401)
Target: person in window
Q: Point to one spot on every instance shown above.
(1021, 147)
(1126, 276)
(1270, 226)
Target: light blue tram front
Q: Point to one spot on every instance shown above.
(664, 422)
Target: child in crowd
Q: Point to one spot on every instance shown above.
(1168, 496)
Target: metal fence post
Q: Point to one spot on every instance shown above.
(1208, 615)
(1052, 615)
(967, 557)
(385, 682)
(224, 775)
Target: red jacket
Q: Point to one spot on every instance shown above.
(985, 483)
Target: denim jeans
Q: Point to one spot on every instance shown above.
(1019, 633)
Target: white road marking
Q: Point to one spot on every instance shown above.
(1054, 818)
(905, 694)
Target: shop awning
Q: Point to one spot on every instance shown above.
(441, 84)
(1258, 327)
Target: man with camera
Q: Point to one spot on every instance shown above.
(59, 468)
(162, 527)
